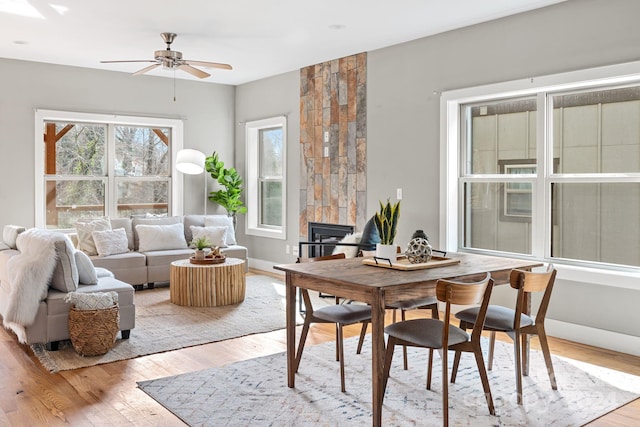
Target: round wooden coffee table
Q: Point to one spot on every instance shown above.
(209, 285)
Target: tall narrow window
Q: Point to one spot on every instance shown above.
(93, 165)
(266, 165)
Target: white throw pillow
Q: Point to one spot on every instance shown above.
(222, 221)
(349, 251)
(85, 229)
(92, 301)
(216, 235)
(86, 271)
(10, 234)
(65, 275)
(111, 242)
(161, 237)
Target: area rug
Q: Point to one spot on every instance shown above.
(254, 392)
(163, 326)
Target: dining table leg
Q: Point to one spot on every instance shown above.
(290, 303)
(377, 355)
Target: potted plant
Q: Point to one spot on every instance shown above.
(386, 221)
(200, 244)
(229, 197)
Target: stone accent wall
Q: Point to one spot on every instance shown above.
(333, 102)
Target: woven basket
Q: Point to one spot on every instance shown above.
(93, 332)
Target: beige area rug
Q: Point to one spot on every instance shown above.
(254, 392)
(163, 326)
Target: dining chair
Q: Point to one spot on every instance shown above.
(517, 323)
(443, 336)
(340, 314)
(427, 303)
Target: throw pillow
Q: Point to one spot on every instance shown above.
(215, 235)
(348, 251)
(161, 237)
(128, 228)
(65, 275)
(151, 221)
(85, 228)
(86, 271)
(92, 301)
(370, 236)
(10, 234)
(222, 221)
(111, 242)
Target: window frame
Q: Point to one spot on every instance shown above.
(175, 178)
(452, 155)
(253, 227)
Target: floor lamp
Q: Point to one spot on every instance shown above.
(191, 162)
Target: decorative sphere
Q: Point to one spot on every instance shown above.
(418, 250)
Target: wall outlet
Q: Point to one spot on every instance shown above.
(326, 151)
(294, 251)
(399, 193)
(326, 136)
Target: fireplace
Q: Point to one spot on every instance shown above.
(325, 233)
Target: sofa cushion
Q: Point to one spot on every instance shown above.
(151, 221)
(57, 305)
(161, 237)
(85, 228)
(111, 242)
(235, 251)
(65, 275)
(115, 262)
(10, 234)
(159, 258)
(222, 221)
(86, 271)
(217, 236)
(126, 224)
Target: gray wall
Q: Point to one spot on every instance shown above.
(207, 110)
(403, 116)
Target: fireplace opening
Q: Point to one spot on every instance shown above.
(324, 233)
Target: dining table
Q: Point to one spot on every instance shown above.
(378, 286)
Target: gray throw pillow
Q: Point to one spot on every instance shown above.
(86, 271)
(370, 236)
(65, 276)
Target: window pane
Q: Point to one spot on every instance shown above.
(485, 226)
(497, 131)
(79, 148)
(141, 197)
(271, 203)
(271, 152)
(142, 151)
(68, 201)
(598, 132)
(597, 222)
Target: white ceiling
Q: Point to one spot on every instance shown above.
(259, 38)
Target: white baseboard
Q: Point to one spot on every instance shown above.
(595, 337)
(263, 265)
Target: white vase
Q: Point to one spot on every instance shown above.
(387, 251)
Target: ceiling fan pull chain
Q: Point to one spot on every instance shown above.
(174, 85)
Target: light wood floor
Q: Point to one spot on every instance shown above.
(107, 395)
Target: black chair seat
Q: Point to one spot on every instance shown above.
(343, 313)
(498, 318)
(425, 333)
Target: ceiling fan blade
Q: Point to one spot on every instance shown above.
(145, 69)
(193, 71)
(133, 60)
(209, 64)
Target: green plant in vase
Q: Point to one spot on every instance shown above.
(386, 221)
(229, 197)
(200, 244)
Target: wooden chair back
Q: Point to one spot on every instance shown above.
(528, 282)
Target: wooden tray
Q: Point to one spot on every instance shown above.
(404, 264)
(207, 260)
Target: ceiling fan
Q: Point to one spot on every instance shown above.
(172, 59)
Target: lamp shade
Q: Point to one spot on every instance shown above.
(190, 161)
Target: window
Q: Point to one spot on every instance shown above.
(551, 171)
(266, 171)
(97, 165)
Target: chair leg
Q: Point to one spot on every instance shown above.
(429, 369)
(456, 362)
(338, 358)
(388, 357)
(363, 332)
(445, 388)
(544, 345)
(403, 316)
(485, 379)
(341, 356)
(518, 357)
(492, 345)
(303, 339)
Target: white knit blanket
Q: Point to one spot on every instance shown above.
(29, 273)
